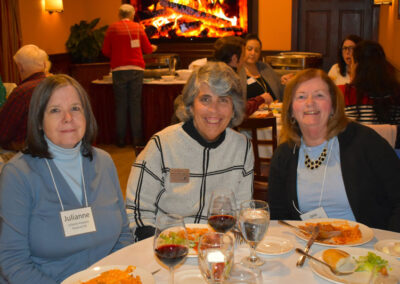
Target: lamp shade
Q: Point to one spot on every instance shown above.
(54, 6)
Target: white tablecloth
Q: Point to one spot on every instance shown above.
(278, 269)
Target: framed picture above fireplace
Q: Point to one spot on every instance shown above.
(194, 20)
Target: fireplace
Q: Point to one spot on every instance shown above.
(194, 20)
(190, 27)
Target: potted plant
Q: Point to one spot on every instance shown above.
(84, 42)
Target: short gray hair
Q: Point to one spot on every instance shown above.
(223, 81)
(31, 57)
(126, 11)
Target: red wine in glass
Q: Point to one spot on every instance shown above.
(171, 254)
(222, 223)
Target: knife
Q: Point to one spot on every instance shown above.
(313, 237)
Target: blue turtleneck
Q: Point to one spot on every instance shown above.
(68, 162)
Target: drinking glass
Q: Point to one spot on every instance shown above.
(215, 256)
(253, 223)
(171, 244)
(241, 274)
(222, 210)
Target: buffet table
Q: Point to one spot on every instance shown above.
(157, 107)
(278, 269)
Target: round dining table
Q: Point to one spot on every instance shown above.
(277, 269)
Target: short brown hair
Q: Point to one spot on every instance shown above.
(36, 144)
(337, 122)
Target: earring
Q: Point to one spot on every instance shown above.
(292, 120)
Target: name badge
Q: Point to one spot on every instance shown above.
(314, 214)
(179, 175)
(135, 43)
(77, 221)
(250, 81)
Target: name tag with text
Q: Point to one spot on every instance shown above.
(78, 221)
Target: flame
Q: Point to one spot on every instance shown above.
(195, 18)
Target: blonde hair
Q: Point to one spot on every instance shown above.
(31, 57)
(337, 122)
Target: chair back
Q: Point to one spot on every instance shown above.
(253, 125)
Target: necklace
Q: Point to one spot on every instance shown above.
(314, 164)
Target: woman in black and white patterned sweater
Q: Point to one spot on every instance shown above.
(183, 164)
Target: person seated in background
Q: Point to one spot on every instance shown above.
(340, 71)
(31, 63)
(184, 163)
(373, 96)
(328, 165)
(3, 93)
(59, 174)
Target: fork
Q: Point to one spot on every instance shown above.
(239, 239)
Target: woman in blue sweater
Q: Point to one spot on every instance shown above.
(61, 205)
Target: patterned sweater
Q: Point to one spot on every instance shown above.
(229, 164)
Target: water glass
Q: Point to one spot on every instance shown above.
(215, 256)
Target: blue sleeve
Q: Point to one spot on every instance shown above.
(125, 238)
(16, 202)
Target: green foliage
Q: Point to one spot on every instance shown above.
(85, 42)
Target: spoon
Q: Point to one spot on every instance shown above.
(334, 270)
(322, 235)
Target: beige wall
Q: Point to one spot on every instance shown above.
(389, 32)
(50, 32)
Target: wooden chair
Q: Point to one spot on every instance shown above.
(261, 164)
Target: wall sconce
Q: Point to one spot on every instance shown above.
(54, 6)
(382, 2)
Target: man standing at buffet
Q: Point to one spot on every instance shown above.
(124, 43)
(31, 63)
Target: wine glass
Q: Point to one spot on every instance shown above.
(171, 244)
(253, 223)
(215, 256)
(222, 210)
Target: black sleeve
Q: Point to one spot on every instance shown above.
(144, 232)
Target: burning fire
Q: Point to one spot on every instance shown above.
(194, 18)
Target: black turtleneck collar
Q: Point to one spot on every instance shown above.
(189, 128)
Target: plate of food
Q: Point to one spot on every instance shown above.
(371, 266)
(350, 233)
(195, 231)
(107, 273)
(391, 247)
(271, 245)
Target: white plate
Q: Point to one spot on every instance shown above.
(192, 276)
(274, 245)
(366, 232)
(389, 244)
(356, 277)
(193, 252)
(90, 273)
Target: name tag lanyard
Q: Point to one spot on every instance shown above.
(132, 42)
(323, 180)
(76, 221)
(56, 188)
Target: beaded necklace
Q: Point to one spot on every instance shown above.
(314, 164)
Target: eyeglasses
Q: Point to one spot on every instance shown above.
(347, 48)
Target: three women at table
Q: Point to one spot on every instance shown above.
(340, 71)
(373, 97)
(263, 83)
(61, 205)
(326, 163)
(183, 164)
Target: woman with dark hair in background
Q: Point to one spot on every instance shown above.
(61, 204)
(373, 96)
(263, 83)
(340, 72)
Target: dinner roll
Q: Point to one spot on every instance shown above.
(338, 259)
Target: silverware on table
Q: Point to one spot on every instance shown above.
(322, 235)
(313, 237)
(155, 271)
(334, 270)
